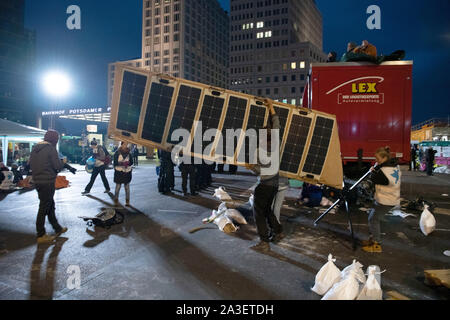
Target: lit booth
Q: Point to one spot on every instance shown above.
(17, 141)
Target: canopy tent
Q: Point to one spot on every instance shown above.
(12, 131)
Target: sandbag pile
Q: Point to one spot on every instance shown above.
(221, 194)
(348, 284)
(226, 218)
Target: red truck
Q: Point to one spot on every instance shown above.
(372, 104)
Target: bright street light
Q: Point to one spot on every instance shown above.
(56, 84)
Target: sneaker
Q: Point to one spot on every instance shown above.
(278, 237)
(85, 193)
(375, 247)
(262, 246)
(46, 239)
(63, 230)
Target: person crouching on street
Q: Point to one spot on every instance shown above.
(123, 162)
(45, 165)
(99, 167)
(387, 180)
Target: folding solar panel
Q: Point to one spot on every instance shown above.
(157, 111)
(148, 108)
(132, 95)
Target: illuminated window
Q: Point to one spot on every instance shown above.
(293, 101)
(268, 34)
(302, 65)
(260, 24)
(293, 65)
(260, 35)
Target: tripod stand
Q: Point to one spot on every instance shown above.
(343, 198)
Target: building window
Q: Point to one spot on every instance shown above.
(268, 34)
(293, 65)
(302, 65)
(260, 24)
(268, 91)
(293, 77)
(260, 35)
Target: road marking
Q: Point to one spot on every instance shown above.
(180, 211)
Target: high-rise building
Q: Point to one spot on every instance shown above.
(273, 43)
(17, 57)
(188, 39)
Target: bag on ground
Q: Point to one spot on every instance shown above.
(372, 289)
(221, 194)
(225, 224)
(346, 289)
(327, 276)
(105, 219)
(357, 268)
(427, 221)
(236, 216)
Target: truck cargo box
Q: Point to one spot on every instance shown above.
(372, 104)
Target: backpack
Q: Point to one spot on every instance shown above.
(105, 219)
(107, 156)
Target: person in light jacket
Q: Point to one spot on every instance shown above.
(123, 162)
(387, 179)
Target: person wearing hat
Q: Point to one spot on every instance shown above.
(99, 168)
(45, 165)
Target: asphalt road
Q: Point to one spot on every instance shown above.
(152, 255)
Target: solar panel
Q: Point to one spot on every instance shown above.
(209, 116)
(132, 94)
(295, 143)
(283, 114)
(256, 121)
(318, 149)
(234, 120)
(158, 108)
(185, 110)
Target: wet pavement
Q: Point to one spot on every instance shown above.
(152, 255)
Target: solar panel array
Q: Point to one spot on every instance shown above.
(148, 108)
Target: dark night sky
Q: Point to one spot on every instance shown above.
(111, 31)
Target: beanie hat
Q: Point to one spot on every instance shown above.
(52, 136)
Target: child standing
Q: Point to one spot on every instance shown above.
(387, 180)
(123, 162)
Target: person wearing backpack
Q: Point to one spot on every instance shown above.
(99, 168)
(387, 180)
(123, 162)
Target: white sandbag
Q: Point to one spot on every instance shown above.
(400, 213)
(427, 221)
(236, 216)
(357, 268)
(372, 289)
(221, 194)
(346, 289)
(222, 207)
(325, 202)
(327, 276)
(211, 218)
(225, 224)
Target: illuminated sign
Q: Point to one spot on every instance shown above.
(76, 111)
(359, 91)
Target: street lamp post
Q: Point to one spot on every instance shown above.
(57, 85)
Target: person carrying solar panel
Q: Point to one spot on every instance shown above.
(267, 167)
(123, 164)
(99, 168)
(187, 168)
(166, 181)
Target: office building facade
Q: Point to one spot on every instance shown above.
(17, 58)
(273, 44)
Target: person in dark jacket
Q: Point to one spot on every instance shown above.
(17, 175)
(45, 165)
(429, 159)
(99, 168)
(413, 162)
(166, 180)
(123, 162)
(136, 155)
(187, 168)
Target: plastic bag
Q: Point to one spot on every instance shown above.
(225, 224)
(372, 289)
(221, 194)
(346, 289)
(427, 221)
(235, 216)
(357, 268)
(327, 276)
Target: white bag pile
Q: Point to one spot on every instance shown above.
(224, 218)
(327, 276)
(348, 284)
(221, 194)
(427, 221)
